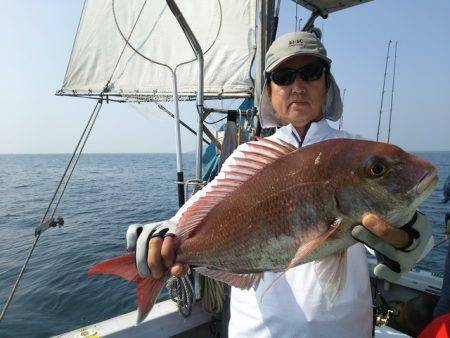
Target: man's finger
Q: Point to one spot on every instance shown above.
(154, 259)
(395, 237)
(361, 234)
(168, 251)
(179, 270)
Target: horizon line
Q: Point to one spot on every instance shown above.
(162, 153)
(118, 153)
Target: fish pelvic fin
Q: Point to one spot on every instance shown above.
(239, 280)
(331, 273)
(306, 249)
(255, 156)
(124, 266)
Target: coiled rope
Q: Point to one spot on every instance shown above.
(213, 295)
(181, 292)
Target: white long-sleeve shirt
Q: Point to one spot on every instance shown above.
(295, 306)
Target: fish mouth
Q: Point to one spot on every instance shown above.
(427, 183)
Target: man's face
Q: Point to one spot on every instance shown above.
(301, 102)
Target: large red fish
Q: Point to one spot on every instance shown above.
(280, 207)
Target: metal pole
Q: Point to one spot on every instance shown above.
(180, 176)
(310, 23)
(275, 22)
(198, 170)
(382, 91)
(164, 109)
(265, 14)
(199, 54)
(392, 92)
(260, 50)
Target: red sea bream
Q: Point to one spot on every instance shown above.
(280, 207)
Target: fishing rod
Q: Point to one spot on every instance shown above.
(341, 120)
(382, 91)
(392, 93)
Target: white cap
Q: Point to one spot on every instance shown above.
(289, 46)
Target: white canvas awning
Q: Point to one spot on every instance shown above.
(225, 30)
(329, 6)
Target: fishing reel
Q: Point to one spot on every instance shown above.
(382, 312)
(382, 319)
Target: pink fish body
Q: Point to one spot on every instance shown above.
(280, 207)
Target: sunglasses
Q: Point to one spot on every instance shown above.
(310, 72)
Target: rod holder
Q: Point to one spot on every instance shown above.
(49, 223)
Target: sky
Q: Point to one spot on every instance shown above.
(37, 38)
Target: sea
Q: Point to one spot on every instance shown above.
(107, 192)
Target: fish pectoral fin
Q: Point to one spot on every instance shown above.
(240, 280)
(331, 273)
(307, 248)
(312, 245)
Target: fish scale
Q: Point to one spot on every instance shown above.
(277, 207)
(269, 221)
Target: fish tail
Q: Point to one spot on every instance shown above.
(148, 288)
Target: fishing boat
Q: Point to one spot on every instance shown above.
(167, 51)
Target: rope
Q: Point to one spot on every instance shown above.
(62, 185)
(214, 122)
(181, 292)
(73, 160)
(126, 40)
(213, 295)
(239, 128)
(157, 62)
(167, 111)
(54, 203)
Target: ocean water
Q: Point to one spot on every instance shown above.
(107, 192)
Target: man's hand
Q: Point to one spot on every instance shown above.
(155, 249)
(400, 247)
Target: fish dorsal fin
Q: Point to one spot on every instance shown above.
(239, 280)
(254, 156)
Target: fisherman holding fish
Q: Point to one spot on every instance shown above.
(299, 97)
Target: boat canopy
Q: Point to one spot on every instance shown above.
(325, 7)
(130, 49)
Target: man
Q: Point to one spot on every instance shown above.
(300, 94)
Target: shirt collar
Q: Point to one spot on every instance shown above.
(317, 130)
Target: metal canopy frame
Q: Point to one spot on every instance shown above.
(324, 7)
(149, 97)
(265, 28)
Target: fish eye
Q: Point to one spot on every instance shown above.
(377, 169)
